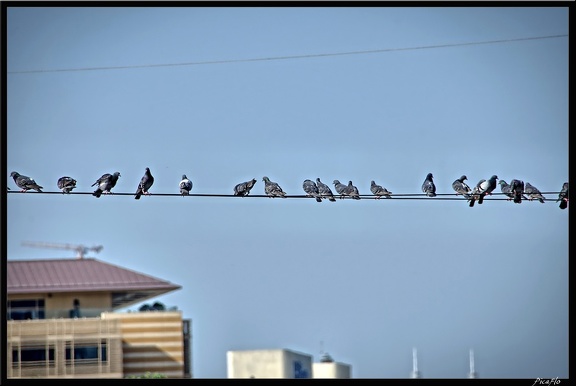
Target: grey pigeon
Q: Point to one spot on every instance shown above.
(243, 188)
(461, 187)
(145, 184)
(517, 190)
(66, 184)
(482, 188)
(272, 189)
(428, 186)
(185, 185)
(379, 190)
(340, 188)
(352, 191)
(311, 190)
(506, 189)
(105, 183)
(325, 190)
(25, 183)
(533, 193)
(563, 196)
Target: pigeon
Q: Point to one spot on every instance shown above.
(105, 183)
(185, 185)
(533, 193)
(461, 187)
(482, 188)
(272, 189)
(563, 196)
(146, 183)
(428, 186)
(311, 190)
(66, 184)
(340, 188)
(25, 183)
(379, 190)
(506, 189)
(325, 190)
(352, 191)
(517, 190)
(243, 188)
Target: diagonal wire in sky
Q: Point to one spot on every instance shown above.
(290, 57)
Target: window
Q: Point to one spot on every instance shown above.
(26, 309)
(33, 355)
(86, 352)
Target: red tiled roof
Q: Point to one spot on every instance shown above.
(87, 274)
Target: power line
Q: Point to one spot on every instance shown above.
(291, 57)
(402, 196)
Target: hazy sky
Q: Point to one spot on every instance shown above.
(364, 280)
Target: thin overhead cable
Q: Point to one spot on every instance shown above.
(290, 57)
(408, 196)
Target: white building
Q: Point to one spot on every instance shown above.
(327, 368)
(279, 363)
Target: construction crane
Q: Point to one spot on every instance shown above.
(81, 250)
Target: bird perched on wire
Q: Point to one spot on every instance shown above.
(311, 190)
(428, 186)
(185, 185)
(517, 190)
(272, 189)
(25, 183)
(379, 190)
(243, 188)
(325, 190)
(461, 187)
(563, 196)
(483, 188)
(533, 193)
(105, 183)
(352, 191)
(145, 184)
(506, 189)
(66, 184)
(340, 188)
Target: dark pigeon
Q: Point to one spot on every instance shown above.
(482, 188)
(428, 186)
(340, 188)
(185, 185)
(243, 188)
(533, 193)
(325, 190)
(563, 196)
(517, 190)
(272, 189)
(105, 183)
(352, 191)
(461, 187)
(66, 184)
(145, 184)
(25, 183)
(506, 189)
(311, 190)
(379, 190)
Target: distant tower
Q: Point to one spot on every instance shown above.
(415, 373)
(472, 373)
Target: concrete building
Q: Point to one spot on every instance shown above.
(328, 368)
(282, 363)
(278, 363)
(61, 322)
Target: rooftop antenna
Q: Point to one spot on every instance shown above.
(81, 250)
(415, 373)
(324, 356)
(472, 373)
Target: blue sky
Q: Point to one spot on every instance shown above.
(363, 280)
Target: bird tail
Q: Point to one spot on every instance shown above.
(481, 199)
(318, 199)
(518, 199)
(39, 188)
(472, 201)
(138, 194)
(331, 198)
(97, 193)
(563, 204)
(541, 199)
